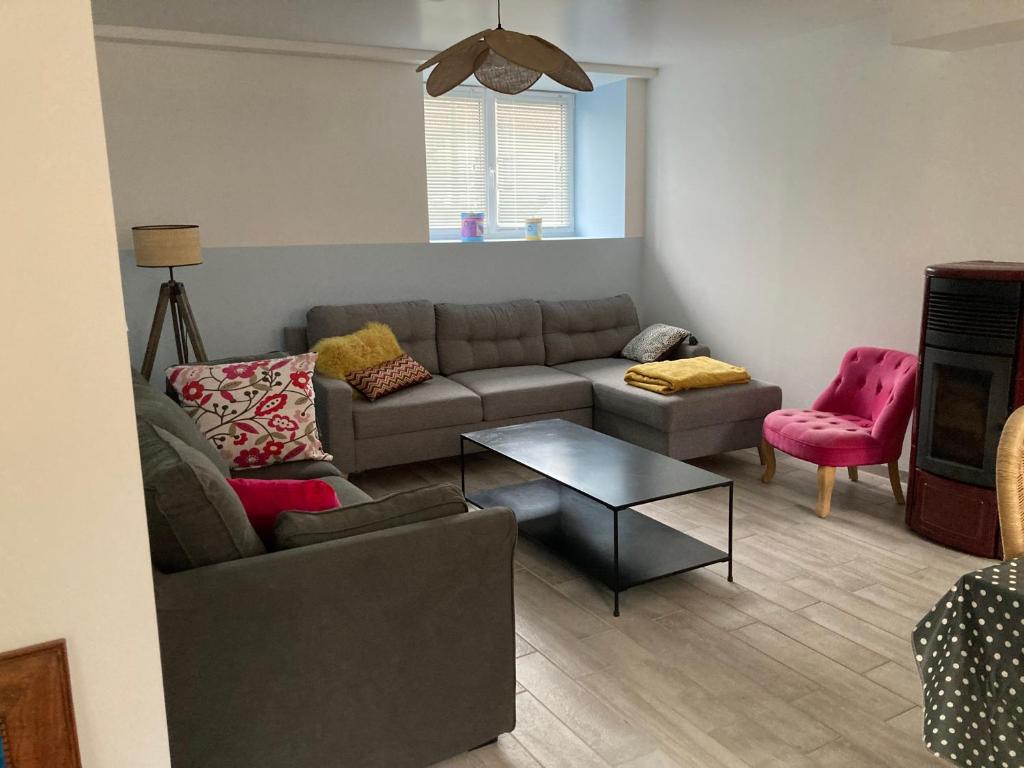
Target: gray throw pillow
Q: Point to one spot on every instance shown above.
(653, 342)
(298, 529)
(195, 518)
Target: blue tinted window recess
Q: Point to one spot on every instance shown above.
(601, 161)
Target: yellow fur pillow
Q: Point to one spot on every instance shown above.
(337, 356)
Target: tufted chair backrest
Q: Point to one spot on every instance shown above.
(875, 384)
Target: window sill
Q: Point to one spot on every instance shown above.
(523, 240)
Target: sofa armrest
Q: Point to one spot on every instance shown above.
(334, 420)
(392, 648)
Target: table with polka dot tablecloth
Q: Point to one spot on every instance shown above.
(970, 655)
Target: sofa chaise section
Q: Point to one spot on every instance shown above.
(697, 423)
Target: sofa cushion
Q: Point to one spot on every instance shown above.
(439, 402)
(159, 410)
(587, 329)
(411, 321)
(526, 390)
(299, 529)
(475, 336)
(672, 413)
(194, 516)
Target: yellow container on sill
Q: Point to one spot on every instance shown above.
(534, 228)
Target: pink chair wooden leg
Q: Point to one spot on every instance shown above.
(826, 481)
(894, 481)
(767, 461)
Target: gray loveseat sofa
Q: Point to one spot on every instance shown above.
(516, 361)
(387, 649)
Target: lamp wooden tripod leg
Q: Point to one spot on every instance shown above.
(172, 294)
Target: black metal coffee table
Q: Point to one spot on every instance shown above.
(586, 476)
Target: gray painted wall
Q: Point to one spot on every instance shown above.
(244, 297)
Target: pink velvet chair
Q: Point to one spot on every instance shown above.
(860, 419)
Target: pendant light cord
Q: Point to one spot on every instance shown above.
(499, 14)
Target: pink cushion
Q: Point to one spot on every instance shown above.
(264, 500)
(860, 418)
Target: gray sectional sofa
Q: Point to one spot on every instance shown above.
(516, 361)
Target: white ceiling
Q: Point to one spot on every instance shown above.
(634, 32)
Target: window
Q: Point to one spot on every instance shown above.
(508, 156)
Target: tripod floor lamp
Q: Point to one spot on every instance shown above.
(170, 246)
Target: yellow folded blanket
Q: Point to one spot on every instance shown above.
(668, 376)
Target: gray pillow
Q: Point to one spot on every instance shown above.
(653, 342)
(298, 529)
(195, 518)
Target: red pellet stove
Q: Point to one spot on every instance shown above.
(969, 381)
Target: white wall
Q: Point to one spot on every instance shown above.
(264, 149)
(798, 189)
(74, 557)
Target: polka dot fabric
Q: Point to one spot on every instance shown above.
(970, 655)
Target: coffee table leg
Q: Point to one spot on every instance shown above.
(730, 531)
(616, 546)
(462, 462)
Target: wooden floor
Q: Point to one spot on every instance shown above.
(805, 660)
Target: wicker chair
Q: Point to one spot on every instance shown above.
(1010, 485)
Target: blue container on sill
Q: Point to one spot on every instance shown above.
(472, 227)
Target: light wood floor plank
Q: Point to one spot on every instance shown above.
(826, 642)
(900, 680)
(604, 730)
(886, 744)
(849, 686)
(857, 630)
(548, 739)
(505, 753)
(858, 606)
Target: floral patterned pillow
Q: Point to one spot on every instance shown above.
(255, 413)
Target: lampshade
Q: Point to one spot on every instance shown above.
(504, 61)
(167, 245)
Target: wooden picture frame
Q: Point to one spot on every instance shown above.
(37, 718)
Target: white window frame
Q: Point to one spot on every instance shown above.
(491, 229)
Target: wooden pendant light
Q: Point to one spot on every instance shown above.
(504, 61)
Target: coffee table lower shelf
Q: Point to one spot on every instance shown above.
(587, 534)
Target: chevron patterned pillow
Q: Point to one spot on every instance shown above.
(383, 379)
